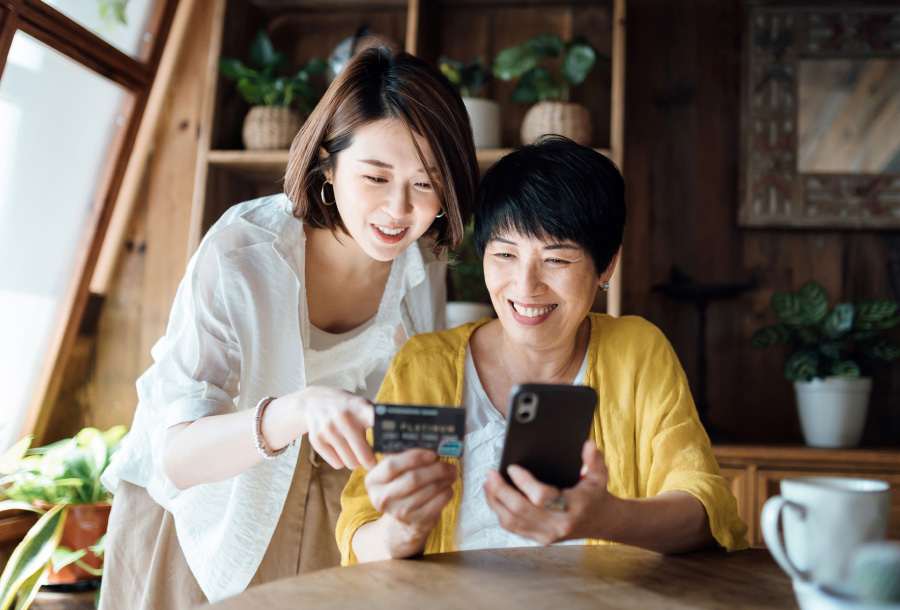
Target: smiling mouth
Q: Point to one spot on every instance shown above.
(532, 312)
(388, 231)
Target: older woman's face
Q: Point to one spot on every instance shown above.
(542, 289)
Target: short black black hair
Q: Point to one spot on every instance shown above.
(554, 188)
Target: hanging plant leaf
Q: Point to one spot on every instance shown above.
(876, 311)
(515, 61)
(546, 45)
(801, 365)
(885, 350)
(770, 336)
(580, 59)
(262, 53)
(786, 306)
(813, 302)
(845, 368)
(839, 321)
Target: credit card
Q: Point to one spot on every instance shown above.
(401, 427)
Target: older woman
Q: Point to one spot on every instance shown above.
(549, 220)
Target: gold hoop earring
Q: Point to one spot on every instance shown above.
(322, 194)
(604, 286)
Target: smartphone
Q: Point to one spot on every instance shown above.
(547, 426)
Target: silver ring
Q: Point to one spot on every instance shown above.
(557, 504)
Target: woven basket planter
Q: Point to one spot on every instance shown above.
(563, 118)
(270, 128)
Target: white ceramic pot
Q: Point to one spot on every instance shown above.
(833, 410)
(463, 312)
(485, 118)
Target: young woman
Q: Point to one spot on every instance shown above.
(247, 420)
(549, 220)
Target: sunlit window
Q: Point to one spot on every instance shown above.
(56, 118)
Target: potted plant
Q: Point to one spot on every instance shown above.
(468, 298)
(470, 79)
(61, 482)
(833, 354)
(273, 93)
(553, 113)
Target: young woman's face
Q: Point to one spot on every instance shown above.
(382, 190)
(542, 290)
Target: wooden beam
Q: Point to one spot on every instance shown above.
(72, 40)
(617, 134)
(201, 173)
(9, 17)
(137, 162)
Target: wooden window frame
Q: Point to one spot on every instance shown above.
(135, 75)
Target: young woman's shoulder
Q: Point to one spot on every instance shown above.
(252, 222)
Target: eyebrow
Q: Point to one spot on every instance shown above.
(550, 247)
(378, 163)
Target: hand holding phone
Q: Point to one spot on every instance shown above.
(547, 426)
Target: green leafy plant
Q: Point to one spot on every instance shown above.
(112, 12)
(528, 62)
(469, 78)
(269, 80)
(842, 342)
(47, 480)
(465, 274)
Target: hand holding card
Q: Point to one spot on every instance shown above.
(401, 427)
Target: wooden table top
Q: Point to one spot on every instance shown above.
(559, 577)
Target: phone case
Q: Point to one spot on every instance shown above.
(547, 426)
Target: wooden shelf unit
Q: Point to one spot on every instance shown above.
(755, 473)
(462, 29)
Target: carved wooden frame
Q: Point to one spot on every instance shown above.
(773, 192)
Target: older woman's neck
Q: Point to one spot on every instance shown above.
(502, 362)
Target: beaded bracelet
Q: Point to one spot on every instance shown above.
(258, 439)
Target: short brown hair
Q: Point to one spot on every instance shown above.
(376, 84)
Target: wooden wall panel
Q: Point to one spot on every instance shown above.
(682, 143)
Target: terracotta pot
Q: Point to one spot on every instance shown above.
(85, 523)
(563, 118)
(270, 128)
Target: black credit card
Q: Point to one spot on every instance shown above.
(401, 427)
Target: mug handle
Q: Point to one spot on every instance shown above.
(771, 517)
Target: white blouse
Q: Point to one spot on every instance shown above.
(477, 526)
(239, 330)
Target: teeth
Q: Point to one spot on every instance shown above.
(390, 231)
(532, 312)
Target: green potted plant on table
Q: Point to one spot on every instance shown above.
(61, 482)
(468, 298)
(834, 351)
(273, 92)
(552, 111)
(470, 79)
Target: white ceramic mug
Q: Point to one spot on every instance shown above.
(824, 520)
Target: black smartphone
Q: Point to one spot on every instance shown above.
(547, 426)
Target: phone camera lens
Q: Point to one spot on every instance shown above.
(526, 408)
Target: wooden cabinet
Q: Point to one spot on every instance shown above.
(461, 29)
(755, 474)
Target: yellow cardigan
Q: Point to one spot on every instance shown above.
(645, 424)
